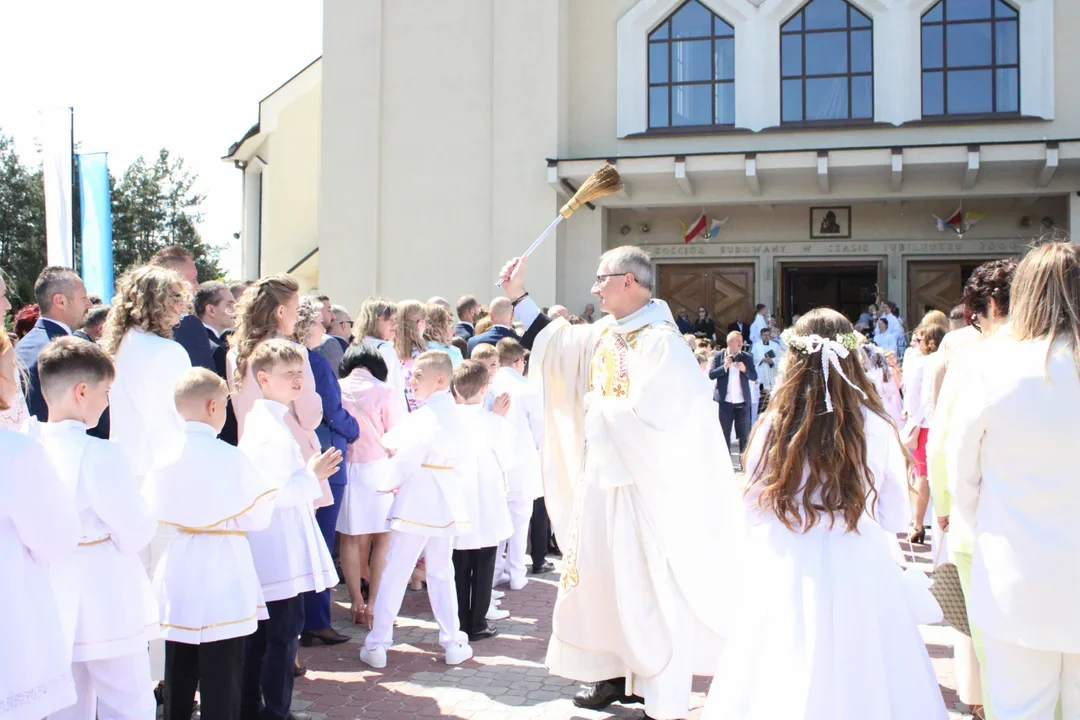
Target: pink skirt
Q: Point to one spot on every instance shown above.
(919, 453)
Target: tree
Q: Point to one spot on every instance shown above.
(154, 206)
(22, 224)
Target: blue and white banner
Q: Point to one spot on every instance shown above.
(95, 208)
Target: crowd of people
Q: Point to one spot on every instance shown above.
(192, 468)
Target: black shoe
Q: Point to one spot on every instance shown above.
(545, 568)
(299, 670)
(327, 636)
(599, 695)
(488, 632)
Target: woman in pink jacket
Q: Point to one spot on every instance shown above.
(366, 502)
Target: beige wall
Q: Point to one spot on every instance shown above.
(291, 184)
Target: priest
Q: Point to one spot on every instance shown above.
(641, 606)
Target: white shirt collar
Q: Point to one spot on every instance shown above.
(192, 427)
(217, 335)
(466, 323)
(57, 322)
(275, 408)
(61, 425)
(505, 327)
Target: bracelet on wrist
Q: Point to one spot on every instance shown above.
(514, 303)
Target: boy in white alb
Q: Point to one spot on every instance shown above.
(428, 511)
(492, 444)
(526, 487)
(107, 607)
(290, 555)
(205, 582)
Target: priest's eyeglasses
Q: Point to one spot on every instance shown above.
(600, 278)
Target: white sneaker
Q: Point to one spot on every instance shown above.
(457, 654)
(518, 583)
(496, 603)
(495, 613)
(501, 580)
(375, 658)
(497, 594)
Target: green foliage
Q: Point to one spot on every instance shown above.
(154, 205)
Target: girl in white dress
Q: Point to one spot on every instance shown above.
(377, 326)
(824, 630)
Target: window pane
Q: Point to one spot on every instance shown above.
(826, 53)
(693, 20)
(790, 55)
(658, 60)
(858, 19)
(1004, 10)
(795, 23)
(933, 94)
(691, 105)
(725, 104)
(658, 103)
(791, 102)
(967, 9)
(721, 28)
(970, 92)
(862, 54)
(660, 33)
(932, 49)
(827, 99)
(968, 44)
(1008, 91)
(825, 14)
(862, 97)
(934, 15)
(1006, 49)
(690, 61)
(724, 60)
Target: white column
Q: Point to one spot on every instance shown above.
(251, 230)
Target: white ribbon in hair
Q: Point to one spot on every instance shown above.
(831, 352)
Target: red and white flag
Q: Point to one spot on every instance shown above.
(694, 229)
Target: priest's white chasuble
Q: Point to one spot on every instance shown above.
(640, 489)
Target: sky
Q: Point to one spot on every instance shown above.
(147, 74)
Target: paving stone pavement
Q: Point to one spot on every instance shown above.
(505, 680)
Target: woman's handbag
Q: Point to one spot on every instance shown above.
(946, 589)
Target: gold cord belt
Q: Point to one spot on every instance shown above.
(88, 543)
(193, 531)
(437, 467)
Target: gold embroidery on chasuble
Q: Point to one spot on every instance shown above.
(609, 376)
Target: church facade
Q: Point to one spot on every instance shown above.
(789, 152)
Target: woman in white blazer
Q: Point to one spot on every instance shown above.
(1013, 454)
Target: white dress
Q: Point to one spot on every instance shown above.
(38, 525)
(16, 417)
(824, 631)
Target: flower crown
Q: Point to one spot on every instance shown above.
(812, 343)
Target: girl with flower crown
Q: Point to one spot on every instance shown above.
(824, 628)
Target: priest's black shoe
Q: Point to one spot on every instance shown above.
(327, 636)
(545, 568)
(599, 695)
(488, 632)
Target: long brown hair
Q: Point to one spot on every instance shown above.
(255, 319)
(142, 300)
(804, 437)
(1046, 297)
(409, 339)
(440, 324)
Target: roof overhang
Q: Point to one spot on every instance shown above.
(853, 174)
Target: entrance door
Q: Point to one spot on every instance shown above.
(726, 291)
(847, 287)
(935, 285)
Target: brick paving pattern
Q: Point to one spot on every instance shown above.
(505, 680)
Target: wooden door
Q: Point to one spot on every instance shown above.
(726, 291)
(933, 285)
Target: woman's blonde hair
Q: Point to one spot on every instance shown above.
(483, 325)
(828, 448)
(936, 318)
(308, 313)
(373, 310)
(255, 320)
(409, 339)
(22, 377)
(1046, 297)
(440, 324)
(142, 300)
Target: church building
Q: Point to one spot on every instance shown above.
(794, 153)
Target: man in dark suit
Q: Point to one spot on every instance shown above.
(467, 309)
(61, 296)
(215, 308)
(733, 370)
(190, 332)
(740, 327)
(502, 314)
(94, 325)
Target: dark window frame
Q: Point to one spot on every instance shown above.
(670, 85)
(993, 67)
(850, 75)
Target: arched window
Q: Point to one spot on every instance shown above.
(970, 58)
(826, 64)
(692, 69)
